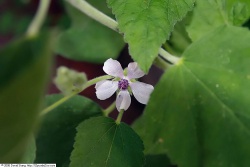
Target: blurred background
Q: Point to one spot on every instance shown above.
(15, 17)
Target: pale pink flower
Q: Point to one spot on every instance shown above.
(123, 84)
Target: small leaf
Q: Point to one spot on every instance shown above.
(199, 111)
(24, 68)
(88, 40)
(55, 138)
(211, 14)
(239, 13)
(232, 3)
(101, 142)
(147, 24)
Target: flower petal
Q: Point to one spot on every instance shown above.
(105, 89)
(123, 100)
(141, 91)
(113, 68)
(134, 71)
(99, 83)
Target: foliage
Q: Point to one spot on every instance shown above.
(198, 114)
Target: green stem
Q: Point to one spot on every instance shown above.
(64, 99)
(97, 15)
(167, 47)
(95, 80)
(168, 56)
(162, 64)
(56, 104)
(39, 18)
(119, 117)
(108, 110)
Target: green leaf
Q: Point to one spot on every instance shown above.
(30, 152)
(147, 24)
(101, 142)
(55, 139)
(24, 68)
(231, 4)
(208, 15)
(159, 160)
(199, 112)
(88, 40)
(239, 14)
(179, 39)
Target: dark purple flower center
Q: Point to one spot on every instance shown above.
(123, 84)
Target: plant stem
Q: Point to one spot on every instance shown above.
(119, 117)
(39, 18)
(161, 63)
(64, 99)
(97, 15)
(95, 80)
(108, 110)
(56, 104)
(168, 56)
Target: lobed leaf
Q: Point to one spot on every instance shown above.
(199, 112)
(147, 25)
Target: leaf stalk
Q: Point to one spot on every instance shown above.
(97, 15)
(39, 18)
(64, 99)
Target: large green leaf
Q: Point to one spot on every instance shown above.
(147, 24)
(24, 67)
(55, 139)
(199, 112)
(210, 14)
(88, 40)
(102, 142)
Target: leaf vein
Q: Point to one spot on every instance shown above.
(216, 97)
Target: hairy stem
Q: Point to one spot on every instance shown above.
(39, 18)
(64, 99)
(97, 15)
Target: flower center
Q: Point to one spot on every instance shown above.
(123, 84)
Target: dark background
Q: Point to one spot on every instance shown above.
(15, 17)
